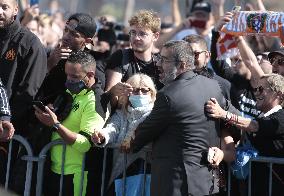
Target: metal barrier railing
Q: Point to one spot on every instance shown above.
(29, 158)
(269, 160)
(40, 159)
(145, 150)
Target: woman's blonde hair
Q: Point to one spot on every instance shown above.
(138, 81)
(276, 83)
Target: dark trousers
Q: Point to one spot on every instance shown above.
(52, 186)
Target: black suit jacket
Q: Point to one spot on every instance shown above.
(181, 133)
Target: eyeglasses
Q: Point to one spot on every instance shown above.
(140, 34)
(144, 91)
(196, 53)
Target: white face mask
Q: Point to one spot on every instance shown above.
(139, 100)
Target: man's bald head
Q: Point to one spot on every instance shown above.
(9, 12)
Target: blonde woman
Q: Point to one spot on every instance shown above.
(132, 110)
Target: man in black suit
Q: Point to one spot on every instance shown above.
(179, 129)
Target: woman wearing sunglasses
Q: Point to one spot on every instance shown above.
(266, 132)
(132, 110)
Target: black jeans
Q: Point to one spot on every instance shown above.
(52, 186)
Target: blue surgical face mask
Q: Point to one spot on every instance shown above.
(75, 87)
(139, 100)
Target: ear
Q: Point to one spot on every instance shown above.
(208, 56)
(182, 67)
(16, 9)
(156, 36)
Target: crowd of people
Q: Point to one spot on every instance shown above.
(94, 83)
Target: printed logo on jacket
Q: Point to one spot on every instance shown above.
(10, 54)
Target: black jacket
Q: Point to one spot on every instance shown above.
(23, 65)
(181, 134)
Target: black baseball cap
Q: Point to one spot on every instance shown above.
(201, 6)
(277, 52)
(86, 24)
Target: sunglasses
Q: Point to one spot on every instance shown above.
(144, 91)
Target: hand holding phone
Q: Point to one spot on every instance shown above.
(39, 104)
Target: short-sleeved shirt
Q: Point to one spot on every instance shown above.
(134, 65)
(82, 118)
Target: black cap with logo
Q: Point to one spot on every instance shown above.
(86, 24)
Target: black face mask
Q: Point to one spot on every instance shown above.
(75, 87)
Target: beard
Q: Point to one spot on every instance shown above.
(5, 24)
(169, 76)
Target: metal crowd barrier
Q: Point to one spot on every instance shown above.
(40, 159)
(146, 150)
(269, 160)
(29, 158)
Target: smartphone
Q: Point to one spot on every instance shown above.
(33, 2)
(210, 154)
(198, 23)
(39, 104)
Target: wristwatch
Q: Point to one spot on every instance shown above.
(55, 126)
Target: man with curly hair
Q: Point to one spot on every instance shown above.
(144, 31)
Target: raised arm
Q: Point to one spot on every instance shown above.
(176, 13)
(218, 8)
(260, 5)
(221, 67)
(250, 61)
